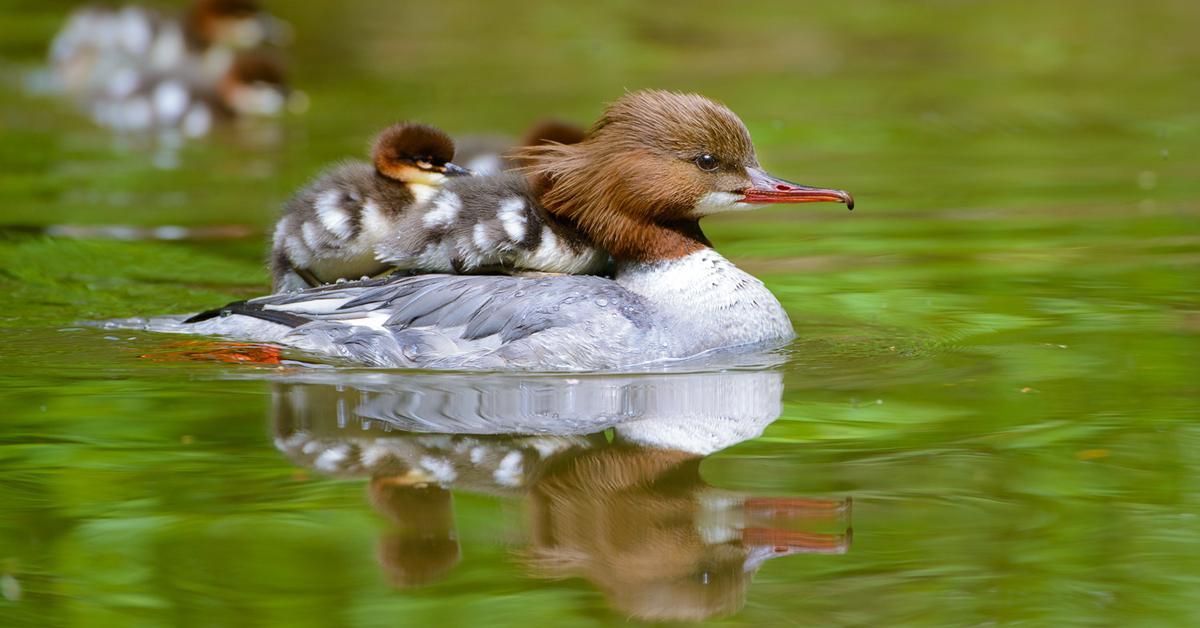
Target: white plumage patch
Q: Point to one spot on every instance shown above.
(297, 252)
(423, 192)
(170, 101)
(512, 217)
(281, 230)
(720, 202)
(335, 219)
(480, 237)
(508, 473)
(309, 232)
(445, 209)
(135, 31)
(440, 468)
(373, 220)
(197, 121)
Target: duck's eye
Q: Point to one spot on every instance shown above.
(706, 162)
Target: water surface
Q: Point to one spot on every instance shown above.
(989, 415)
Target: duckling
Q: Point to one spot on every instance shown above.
(494, 224)
(102, 49)
(468, 225)
(330, 229)
(253, 86)
(489, 154)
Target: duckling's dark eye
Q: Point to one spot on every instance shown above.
(706, 162)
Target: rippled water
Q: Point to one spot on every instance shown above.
(989, 415)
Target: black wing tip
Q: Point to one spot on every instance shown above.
(252, 310)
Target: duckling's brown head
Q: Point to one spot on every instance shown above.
(255, 85)
(551, 131)
(238, 24)
(415, 153)
(651, 167)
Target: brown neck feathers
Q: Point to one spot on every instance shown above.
(634, 219)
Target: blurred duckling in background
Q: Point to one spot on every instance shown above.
(469, 225)
(489, 154)
(114, 60)
(331, 228)
(253, 86)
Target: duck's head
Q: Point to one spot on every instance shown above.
(235, 24)
(651, 167)
(415, 153)
(255, 85)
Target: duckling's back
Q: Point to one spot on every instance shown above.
(489, 224)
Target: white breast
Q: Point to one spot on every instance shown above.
(706, 300)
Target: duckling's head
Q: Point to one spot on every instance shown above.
(235, 24)
(255, 85)
(415, 153)
(651, 167)
(551, 131)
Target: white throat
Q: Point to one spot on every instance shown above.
(721, 202)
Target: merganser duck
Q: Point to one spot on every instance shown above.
(330, 229)
(490, 154)
(653, 165)
(254, 86)
(100, 49)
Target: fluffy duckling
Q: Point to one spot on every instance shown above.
(101, 49)
(254, 86)
(331, 228)
(468, 225)
(490, 154)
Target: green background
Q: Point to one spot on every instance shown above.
(997, 353)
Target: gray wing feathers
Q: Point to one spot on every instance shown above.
(474, 321)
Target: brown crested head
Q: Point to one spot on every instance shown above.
(411, 152)
(652, 166)
(254, 84)
(258, 67)
(233, 23)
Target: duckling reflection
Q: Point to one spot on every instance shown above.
(609, 468)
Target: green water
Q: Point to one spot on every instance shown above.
(997, 358)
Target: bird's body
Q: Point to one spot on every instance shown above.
(653, 166)
(357, 220)
(331, 228)
(649, 313)
(135, 68)
(160, 101)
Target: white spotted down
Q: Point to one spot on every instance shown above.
(508, 473)
(512, 217)
(445, 209)
(335, 219)
(308, 231)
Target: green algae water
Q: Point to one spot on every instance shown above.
(989, 415)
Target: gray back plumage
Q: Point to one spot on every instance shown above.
(472, 321)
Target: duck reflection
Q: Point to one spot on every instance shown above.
(609, 468)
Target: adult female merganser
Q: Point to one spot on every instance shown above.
(654, 164)
(331, 228)
(100, 49)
